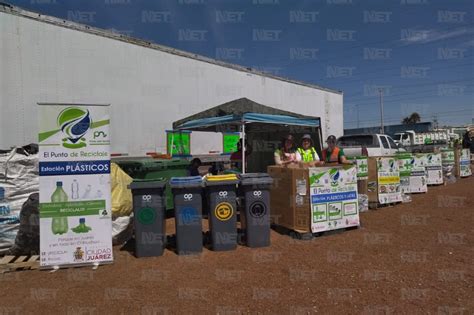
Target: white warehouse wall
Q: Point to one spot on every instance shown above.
(147, 88)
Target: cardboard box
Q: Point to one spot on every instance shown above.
(299, 195)
(412, 173)
(384, 180)
(289, 198)
(362, 180)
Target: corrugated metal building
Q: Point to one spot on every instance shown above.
(46, 59)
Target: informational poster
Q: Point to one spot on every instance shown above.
(412, 173)
(388, 180)
(362, 167)
(334, 202)
(74, 169)
(178, 143)
(230, 142)
(465, 163)
(434, 170)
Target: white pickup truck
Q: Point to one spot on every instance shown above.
(370, 145)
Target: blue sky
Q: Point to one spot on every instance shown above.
(419, 52)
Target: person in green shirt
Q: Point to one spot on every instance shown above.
(333, 153)
(307, 151)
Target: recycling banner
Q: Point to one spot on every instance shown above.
(362, 167)
(388, 180)
(412, 173)
(74, 169)
(465, 163)
(334, 201)
(434, 168)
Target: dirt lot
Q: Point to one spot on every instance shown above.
(413, 258)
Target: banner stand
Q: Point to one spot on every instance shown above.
(75, 192)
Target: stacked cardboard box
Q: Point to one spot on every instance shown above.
(289, 198)
(316, 199)
(362, 180)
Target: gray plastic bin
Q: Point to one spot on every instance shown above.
(149, 217)
(188, 213)
(221, 200)
(255, 215)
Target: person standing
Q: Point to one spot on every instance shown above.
(287, 154)
(333, 153)
(307, 151)
(236, 157)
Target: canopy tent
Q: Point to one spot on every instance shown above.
(248, 116)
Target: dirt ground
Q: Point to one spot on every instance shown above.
(412, 258)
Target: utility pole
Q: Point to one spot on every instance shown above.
(357, 113)
(382, 130)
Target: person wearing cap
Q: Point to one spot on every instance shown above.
(334, 154)
(307, 151)
(287, 154)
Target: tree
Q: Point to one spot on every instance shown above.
(412, 119)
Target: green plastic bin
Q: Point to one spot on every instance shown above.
(155, 169)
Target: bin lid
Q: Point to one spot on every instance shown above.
(227, 179)
(186, 182)
(255, 179)
(148, 183)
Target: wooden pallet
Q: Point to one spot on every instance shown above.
(13, 263)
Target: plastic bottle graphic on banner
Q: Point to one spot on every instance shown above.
(75, 224)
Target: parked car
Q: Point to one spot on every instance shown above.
(368, 144)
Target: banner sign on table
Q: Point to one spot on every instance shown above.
(362, 167)
(74, 169)
(434, 170)
(333, 198)
(465, 163)
(412, 173)
(388, 180)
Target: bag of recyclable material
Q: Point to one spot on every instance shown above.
(18, 179)
(122, 204)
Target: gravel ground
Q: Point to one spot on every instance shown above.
(412, 258)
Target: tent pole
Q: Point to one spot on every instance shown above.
(243, 147)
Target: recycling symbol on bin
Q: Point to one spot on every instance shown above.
(146, 216)
(224, 211)
(188, 215)
(258, 209)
